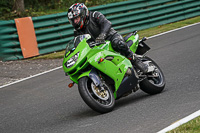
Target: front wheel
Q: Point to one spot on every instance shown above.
(100, 99)
(155, 81)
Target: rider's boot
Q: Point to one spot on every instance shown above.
(138, 63)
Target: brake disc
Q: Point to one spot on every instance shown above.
(101, 93)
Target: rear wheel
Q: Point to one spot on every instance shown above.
(100, 99)
(155, 81)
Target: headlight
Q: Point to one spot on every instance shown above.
(72, 60)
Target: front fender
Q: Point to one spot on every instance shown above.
(85, 74)
(92, 74)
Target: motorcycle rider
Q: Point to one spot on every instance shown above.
(95, 24)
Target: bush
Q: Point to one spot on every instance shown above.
(43, 7)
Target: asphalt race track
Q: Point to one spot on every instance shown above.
(45, 104)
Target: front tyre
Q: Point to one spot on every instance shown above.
(155, 81)
(99, 99)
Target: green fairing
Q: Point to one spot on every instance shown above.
(115, 68)
(84, 74)
(83, 46)
(135, 40)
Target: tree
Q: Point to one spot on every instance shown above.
(19, 6)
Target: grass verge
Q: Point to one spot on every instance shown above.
(147, 32)
(192, 126)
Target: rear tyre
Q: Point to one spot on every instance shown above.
(99, 99)
(155, 81)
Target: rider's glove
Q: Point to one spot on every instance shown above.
(101, 38)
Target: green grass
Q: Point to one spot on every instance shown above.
(167, 27)
(147, 32)
(192, 126)
(55, 55)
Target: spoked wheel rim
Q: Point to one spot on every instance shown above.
(102, 101)
(101, 95)
(154, 81)
(156, 77)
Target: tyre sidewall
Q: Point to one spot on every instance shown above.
(90, 101)
(150, 88)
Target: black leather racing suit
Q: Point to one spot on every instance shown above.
(97, 24)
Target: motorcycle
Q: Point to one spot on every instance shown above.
(103, 75)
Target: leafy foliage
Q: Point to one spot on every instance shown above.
(43, 7)
(5, 6)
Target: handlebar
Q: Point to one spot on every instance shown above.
(92, 44)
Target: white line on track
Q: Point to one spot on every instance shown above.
(61, 66)
(180, 122)
(176, 124)
(30, 77)
(190, 117)
(173, 30)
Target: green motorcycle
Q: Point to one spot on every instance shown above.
(103, 75)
